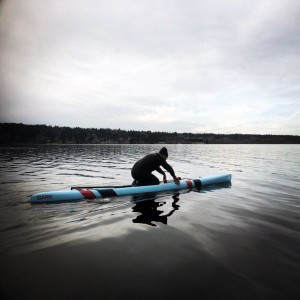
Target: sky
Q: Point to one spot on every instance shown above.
(218, 66)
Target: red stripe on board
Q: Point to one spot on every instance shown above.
(189, 183)
(87, 194)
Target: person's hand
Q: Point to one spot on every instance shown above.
(165, 178)
(176, 180)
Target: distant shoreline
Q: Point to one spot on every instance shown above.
(18, 133)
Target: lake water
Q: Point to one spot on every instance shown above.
(238, 241)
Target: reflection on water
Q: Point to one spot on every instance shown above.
(150, 213)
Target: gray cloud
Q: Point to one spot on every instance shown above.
(218, 66)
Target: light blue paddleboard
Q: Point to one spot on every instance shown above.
(77, 194)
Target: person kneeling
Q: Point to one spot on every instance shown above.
(142, 169)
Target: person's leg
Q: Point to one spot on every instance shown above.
(147, 179)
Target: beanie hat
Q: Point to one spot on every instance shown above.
(164, 151)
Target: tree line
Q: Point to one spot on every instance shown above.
(18, 133)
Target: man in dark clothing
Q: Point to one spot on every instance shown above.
(142, 169)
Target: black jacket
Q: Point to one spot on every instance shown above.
(152, 162)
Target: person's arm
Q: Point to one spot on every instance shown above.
(159, 170)
(171, 171)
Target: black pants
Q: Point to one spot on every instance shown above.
(144, 178)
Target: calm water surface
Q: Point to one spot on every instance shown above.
(238, 241)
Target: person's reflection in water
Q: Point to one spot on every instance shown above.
(150, 212)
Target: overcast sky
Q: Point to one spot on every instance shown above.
(216, 66)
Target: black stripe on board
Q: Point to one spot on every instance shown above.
(107, 193)
(197, 183)
(102, 187)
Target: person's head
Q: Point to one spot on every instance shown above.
(164, 152)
